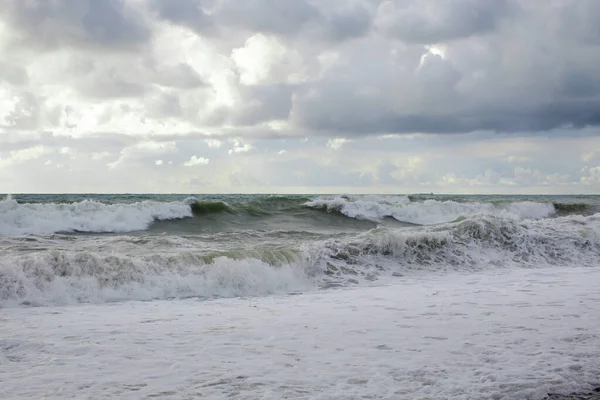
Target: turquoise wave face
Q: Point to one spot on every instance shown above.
(187, 214)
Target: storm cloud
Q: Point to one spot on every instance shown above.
(262, 75)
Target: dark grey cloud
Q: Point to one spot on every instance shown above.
(350, 22)
(357, 117)
(359, 67)
(188, 13)
(264, 103)
(341, 20)
(258, 104)
(579, 83)
(57, 23)
(579, 20)
(532, 76)
(333, 20)
(268, 16)
(433, 21)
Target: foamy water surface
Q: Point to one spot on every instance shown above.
(300, 297)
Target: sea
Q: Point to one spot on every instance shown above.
(71, 249)
(73, 264)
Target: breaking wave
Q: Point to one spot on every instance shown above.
(429, 211)
(85, 216)
(93, 216)
(72, 276)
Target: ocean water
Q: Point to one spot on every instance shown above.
(72, 249)
(299, 297)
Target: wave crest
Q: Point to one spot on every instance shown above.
(85, 216)
(477, 242)
(426, 212)
(68, 277)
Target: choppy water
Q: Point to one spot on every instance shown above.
(65, 249)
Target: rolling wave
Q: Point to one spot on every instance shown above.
(93, 216)
(85, 216)
(429, 211)
(482, 241)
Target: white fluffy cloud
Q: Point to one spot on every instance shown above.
(300, 95)
(591, 176)
(195, 160)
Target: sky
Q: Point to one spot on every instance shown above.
(300, 96)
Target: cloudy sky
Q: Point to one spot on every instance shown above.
(211, 96)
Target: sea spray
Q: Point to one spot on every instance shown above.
(85, 216)
(427, 212)
(49, 214)
(155, 267)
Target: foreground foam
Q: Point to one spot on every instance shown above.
(513, 335)
(72, 278)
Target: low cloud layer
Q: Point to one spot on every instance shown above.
(143, 86)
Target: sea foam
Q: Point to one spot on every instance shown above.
(85, 216)
(426, 212)
(85, 273)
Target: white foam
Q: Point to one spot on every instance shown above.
(81, 277)
(530, 209)
(516, 335)
(113, 268)
(475, 243)
(428, 211)
(85, 216)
